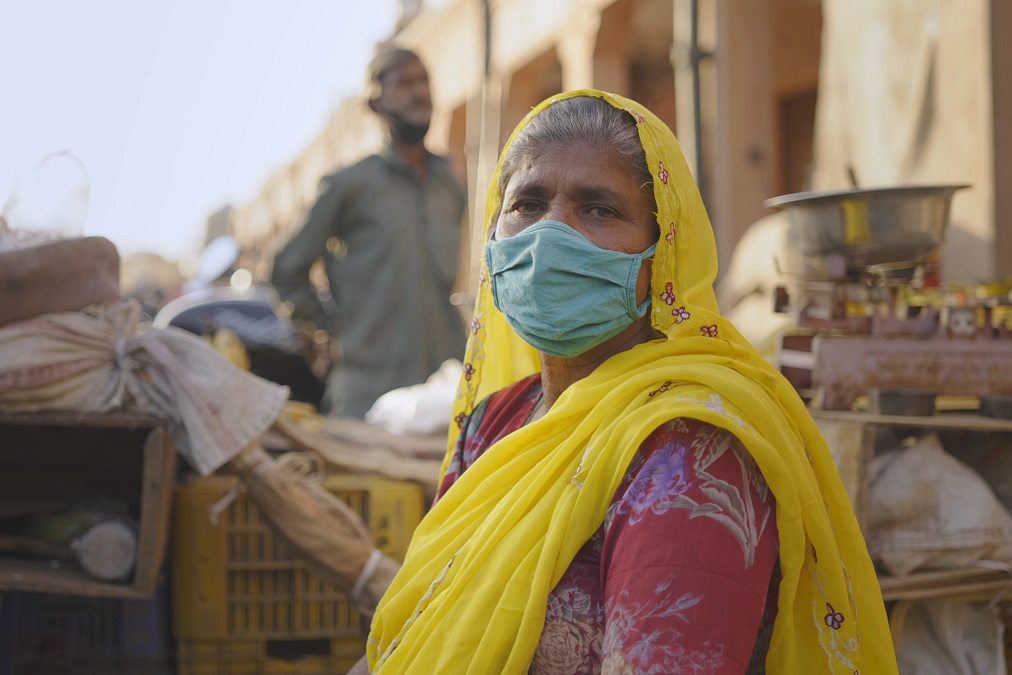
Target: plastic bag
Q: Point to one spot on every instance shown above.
(422, 408)
(49, 202)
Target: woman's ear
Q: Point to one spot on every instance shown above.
(643, 280)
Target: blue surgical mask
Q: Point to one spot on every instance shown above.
(560, 292)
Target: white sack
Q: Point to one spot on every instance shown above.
(944, 637)
(927, 510)
(422, 408)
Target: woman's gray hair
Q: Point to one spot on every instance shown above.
(585, 119)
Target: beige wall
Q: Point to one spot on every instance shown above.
(906, 97)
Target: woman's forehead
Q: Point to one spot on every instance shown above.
(580, 163)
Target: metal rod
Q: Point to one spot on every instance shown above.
(695, 57)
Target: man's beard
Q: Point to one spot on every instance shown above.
(409, 132)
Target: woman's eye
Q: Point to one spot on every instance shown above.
(525, 207)
(601, 212)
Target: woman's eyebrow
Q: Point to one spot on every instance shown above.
(538, 189)
(597, 193)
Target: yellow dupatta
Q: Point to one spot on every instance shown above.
(472, 594)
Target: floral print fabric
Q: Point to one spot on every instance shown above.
(680, 578)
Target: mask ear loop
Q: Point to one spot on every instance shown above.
(634, 274)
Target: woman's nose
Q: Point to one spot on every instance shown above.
(561, 213)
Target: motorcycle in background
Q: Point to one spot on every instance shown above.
(222, 299)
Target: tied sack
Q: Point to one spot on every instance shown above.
(927, 510)
(98, 360)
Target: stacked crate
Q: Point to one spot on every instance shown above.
(242, 604)
(43, 634)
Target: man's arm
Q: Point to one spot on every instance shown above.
(290, 273)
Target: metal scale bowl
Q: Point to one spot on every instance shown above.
(860, 247)
(869, 227)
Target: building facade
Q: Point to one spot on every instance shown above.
(738, 80)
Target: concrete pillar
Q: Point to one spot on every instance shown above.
(521, 91)
(612, 51)
(1001, 77)
(575, 47)
(685, 96)
(745, 164)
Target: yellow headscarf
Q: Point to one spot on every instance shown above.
(472, 595)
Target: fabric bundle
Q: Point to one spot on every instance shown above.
(96, 361)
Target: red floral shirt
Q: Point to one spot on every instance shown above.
(681, 577)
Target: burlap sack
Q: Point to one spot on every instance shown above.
(57, 276)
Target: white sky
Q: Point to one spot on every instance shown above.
(175, 107)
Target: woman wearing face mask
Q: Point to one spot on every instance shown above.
(630, 487)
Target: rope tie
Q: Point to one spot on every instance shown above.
(366, 575)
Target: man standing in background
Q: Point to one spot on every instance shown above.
(388, 229)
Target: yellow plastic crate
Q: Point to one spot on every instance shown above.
(237, 582)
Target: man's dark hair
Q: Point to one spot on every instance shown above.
(387, 59)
